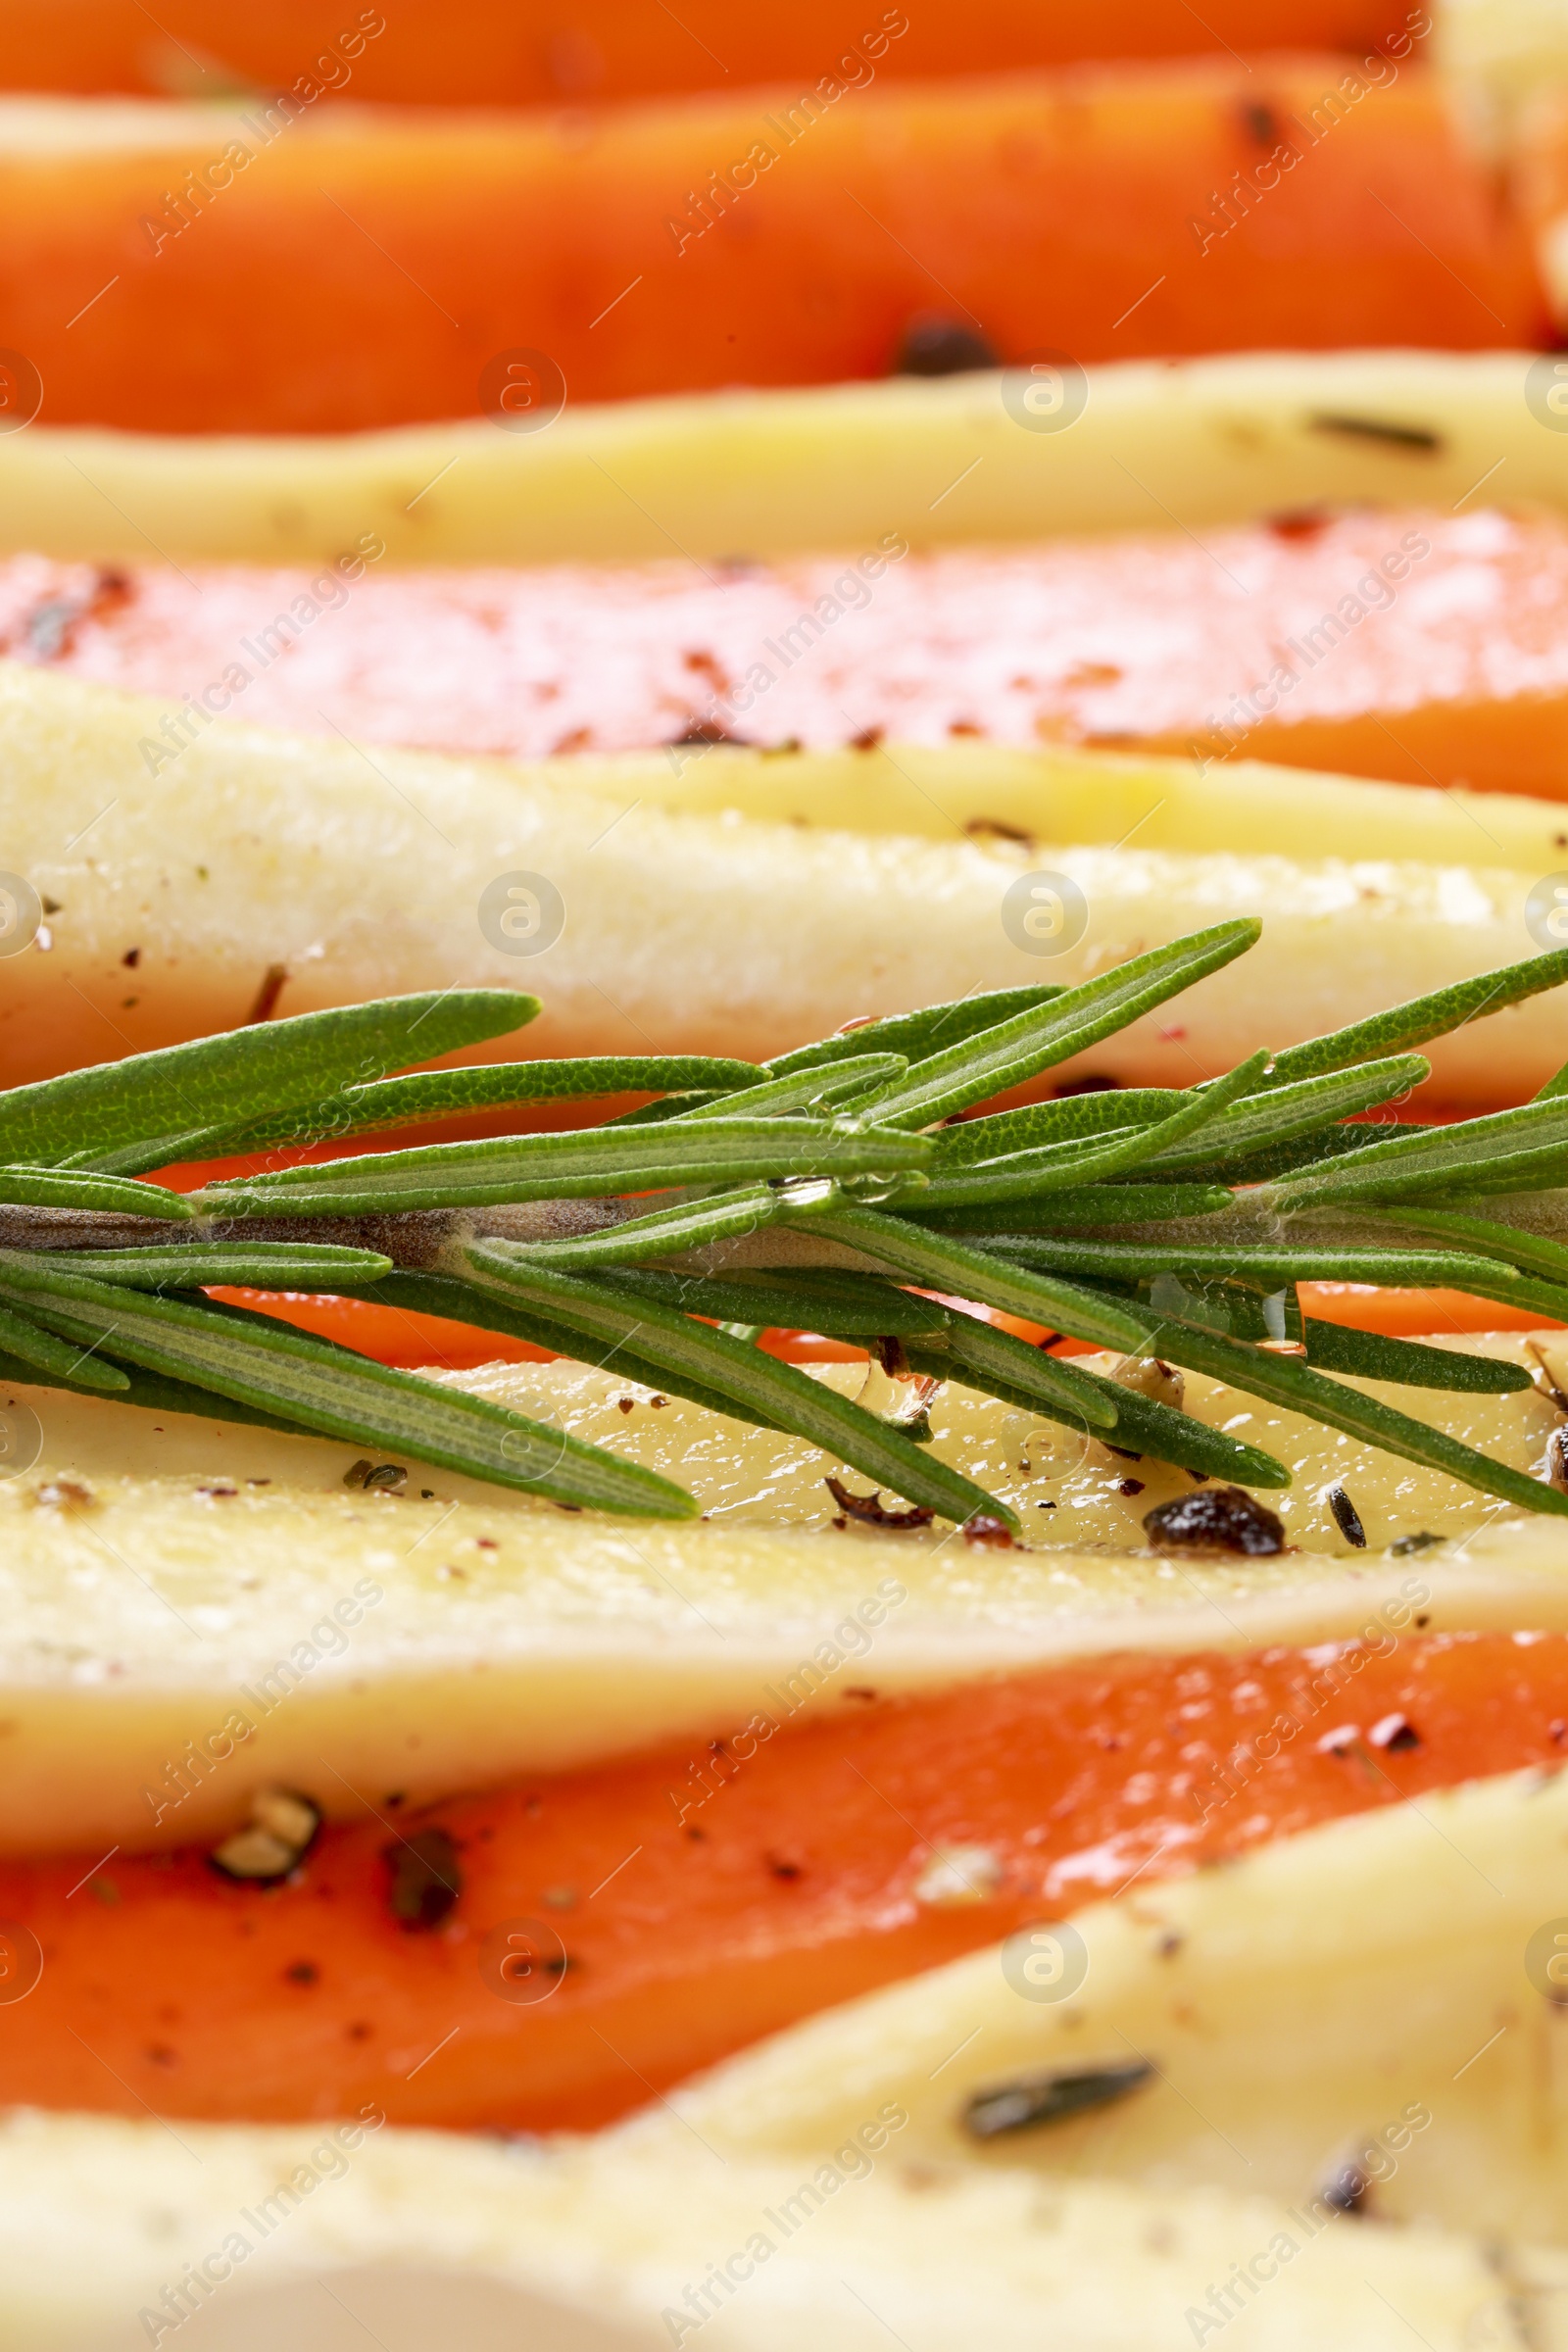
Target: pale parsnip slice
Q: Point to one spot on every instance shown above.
(1200, 441)
(160, 1574)
(1059, 792)
(362, 874)
(1302, 2010)
(430, 2240)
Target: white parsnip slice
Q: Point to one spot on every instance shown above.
(1061, 792)
(159, 1575)
(1370, 1996)
(358, 875)
(1217, 440)
(422, 2239)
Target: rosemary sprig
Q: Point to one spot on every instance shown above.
(822, 1192)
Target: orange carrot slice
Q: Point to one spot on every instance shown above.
(479, 52)
(554, 1953)
(292, 271)
(395, 1334)
(1416, 646)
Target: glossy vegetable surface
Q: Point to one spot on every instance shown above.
(286, 269)
(670, 1910)
(1418, 645)
(482, 52)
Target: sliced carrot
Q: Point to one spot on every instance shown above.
(1416, 646)
(397, 1335)
(394, 1335)
(1404, 1314)
(340, 269)
(484, 52)
(671, 1909)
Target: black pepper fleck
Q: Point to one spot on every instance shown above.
(426, 1878)
(1216, 1519)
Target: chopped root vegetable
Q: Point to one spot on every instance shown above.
(436, 265)
(479, 51)
(1416, 646)
(399, 1336)
(554, 1952)
(1402, 1314)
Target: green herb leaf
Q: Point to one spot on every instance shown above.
(806, 1299)
(484, 1087)
(1369, 1356)
(20, 1336)
(150, 1393)
(1035, 1175)
(1416, 1023)
(197, 1266)
(1041, 1126)
(337, 1394)
(1510, 1151)
(245, 1073)
(1265, 1264)
(1031, 1042)
(56, 1187)
(1282, 1159)
(1286, 1112)
(463, 1302)
(577, 1163)
(916, 1035)
(670, 1106)
(1092, 1205)
(976, 1350)
(940, 1262)
(1490, 1236)
(788, 1397)
(663, 1232)
(816, 1090)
